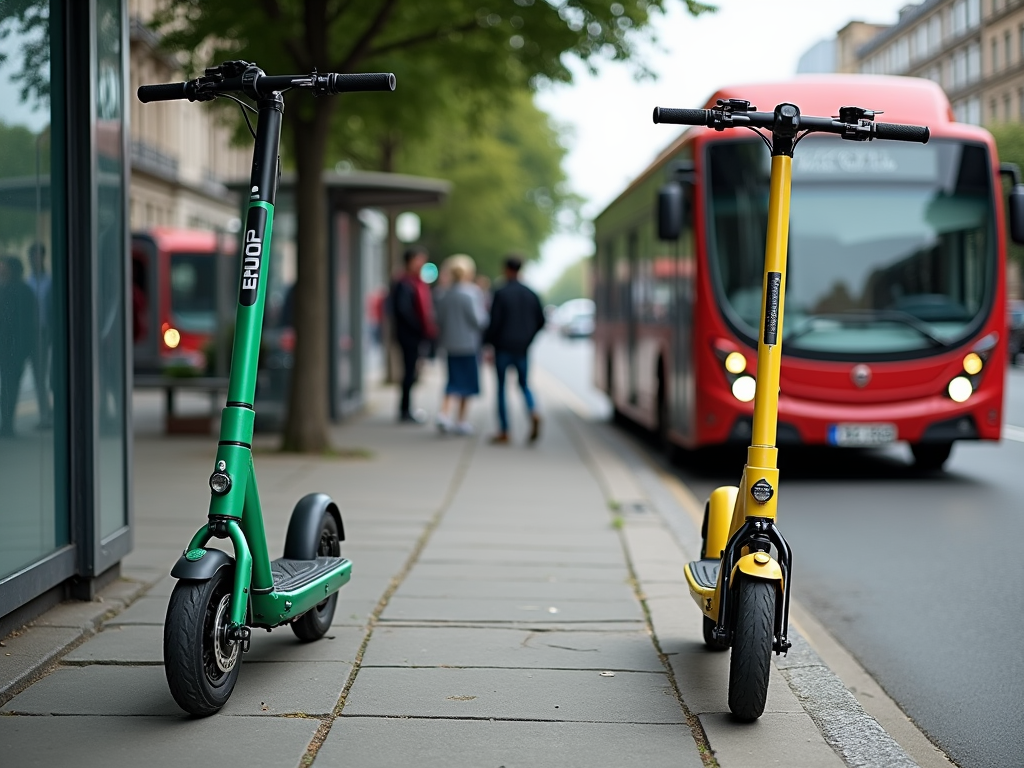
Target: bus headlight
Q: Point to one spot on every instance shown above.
(744, 387)
(960, 389)
(972, 363)
(735, 363)
(172, 338)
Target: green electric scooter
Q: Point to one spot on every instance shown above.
(219, 598)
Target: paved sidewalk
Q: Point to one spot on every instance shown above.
(509, 606)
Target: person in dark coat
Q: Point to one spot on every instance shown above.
(516, 318)
(19, 323)
(413, 314)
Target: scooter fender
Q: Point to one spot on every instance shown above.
(759, 565)
(202, 567)
(303, 535)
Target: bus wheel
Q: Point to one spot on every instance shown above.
(930, 456)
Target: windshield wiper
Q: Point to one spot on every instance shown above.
(869, 316)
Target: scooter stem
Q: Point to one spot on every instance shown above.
(762, 451)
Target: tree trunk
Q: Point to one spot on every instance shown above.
(306, 426)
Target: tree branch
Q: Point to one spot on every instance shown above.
(425, 37)
(359, 50)
(339, 11)
(273, 10)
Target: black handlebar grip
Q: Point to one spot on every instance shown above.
(681, 116)
(363, 81)
(163, 92)
(898, 132)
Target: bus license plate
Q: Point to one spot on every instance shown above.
(861, 434)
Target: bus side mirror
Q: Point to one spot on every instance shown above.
(670, 211)
(1016, 210)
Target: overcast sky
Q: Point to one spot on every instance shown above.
(610, 135)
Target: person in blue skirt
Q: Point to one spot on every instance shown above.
(461, 319)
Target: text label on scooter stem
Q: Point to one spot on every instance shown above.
(771, 308)
(252, 255)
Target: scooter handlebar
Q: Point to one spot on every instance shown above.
(164, 92)
(682, 116)
(900, 132)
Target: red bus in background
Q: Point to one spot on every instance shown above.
(895, 301)
(174, 297)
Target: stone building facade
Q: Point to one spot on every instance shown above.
(974, 49)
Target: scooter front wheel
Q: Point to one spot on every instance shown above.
(751, 660)
(200, 662)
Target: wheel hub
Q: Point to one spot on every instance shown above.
(225, 651)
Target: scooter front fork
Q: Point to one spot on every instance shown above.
(229, 528)
(755, 535)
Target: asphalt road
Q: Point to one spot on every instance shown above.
(920, 577)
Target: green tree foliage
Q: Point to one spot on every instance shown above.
(23, 155)
(573, 283)
(507, 182)
(467, 45)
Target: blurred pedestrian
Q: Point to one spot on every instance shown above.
(40, 284)
(461, 319)
(413, 314)
(516, 318)
(19, 318)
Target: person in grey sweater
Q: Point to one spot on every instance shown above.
(461, 319)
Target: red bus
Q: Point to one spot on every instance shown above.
(174, 297)
(895, 301)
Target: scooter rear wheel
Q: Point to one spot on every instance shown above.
(200, 662)
(751, 660)
(314, 623)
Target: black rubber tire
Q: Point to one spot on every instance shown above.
(313, 624)
(195, 613)
(751, 660)
(929, 457)
(709, 641)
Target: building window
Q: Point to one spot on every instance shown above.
(1007, 50)
(959, 68)
(959, 13)
(993, 110)
(995, 55)
(934, 32)
(973, 13)
(901, 55)
(1006, 107)
(920, 42)
(973, 62)
(1020, 103)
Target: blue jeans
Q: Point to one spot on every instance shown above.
(502, 361)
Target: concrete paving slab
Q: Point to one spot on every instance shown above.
(143, 644)
(462, 647)
(552, 592)
(521, 694)
(514, 610)
(157, 742)
(23, 654)
(537, 572)
(573, 558)
(145, 610)
(365, 741)
(787, 739)
(262, 689)
(79, 614)
(457, 536)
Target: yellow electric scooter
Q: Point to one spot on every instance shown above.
(742, 582)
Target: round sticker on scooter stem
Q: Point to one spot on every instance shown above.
(762, 491)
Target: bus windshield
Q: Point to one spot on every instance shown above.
(193, 291)
(892, 248)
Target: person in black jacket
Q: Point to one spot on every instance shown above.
(516, 317)
(19, 318)
(413, 313)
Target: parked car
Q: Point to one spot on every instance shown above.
(1015, 328)
(575, 318)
